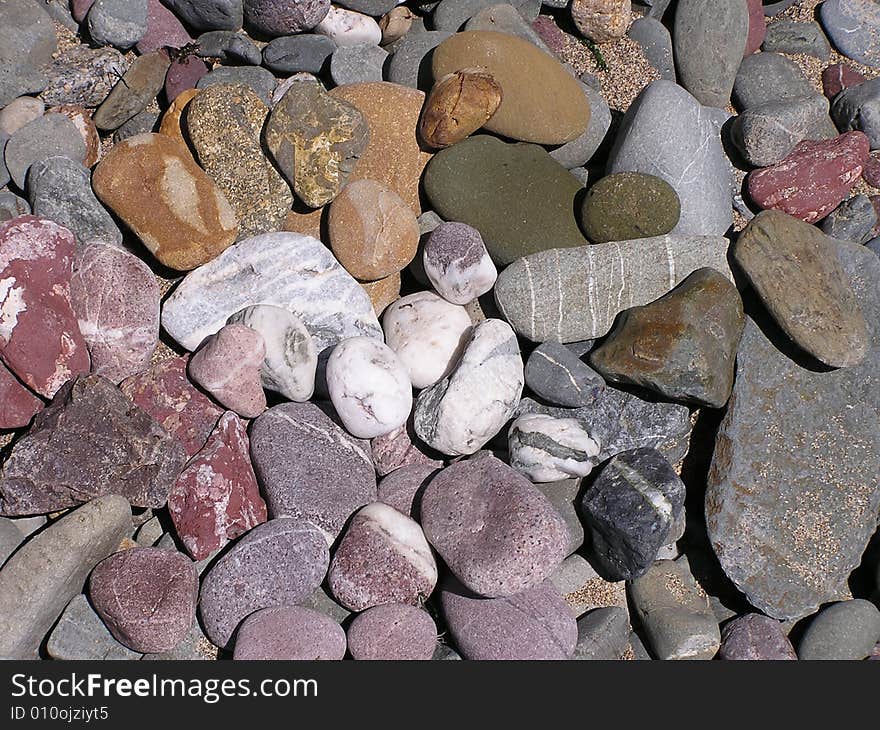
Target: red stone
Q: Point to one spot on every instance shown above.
(163, 30)
(182, 75)
(216, 497)
(17, 404)
(871, 170)
(166, 394)
(838, 77)
(757, 26)
(814, 179)
(40, 339)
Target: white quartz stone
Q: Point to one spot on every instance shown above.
(547, 449)
(348, 28)
(457, 263)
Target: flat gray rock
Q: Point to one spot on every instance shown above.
(792, 37)
(27, 35)
(357, 64)
(202, 15)
(10, 538)
(556, 374)
(854, 28)
(656, 43)
(769, 77)
(411, 63)
(229, 47)
(18, 79)
(47, 136)
(118, 23)
(260, 80)
(505, 18)
(451, 15)
(307, 52)
(853, 220)
(581, 150)
(848, 630)
(603, 634)
(792, 494)
(81, 635)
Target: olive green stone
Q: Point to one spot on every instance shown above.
(518, 197)
(627, 205)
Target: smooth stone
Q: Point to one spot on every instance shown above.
(393, 156)
(163, 30)
(428, 334)
(82, 120)
(183, 74)
(459, 414)
(202, 15)
(278, 269)
(402, 489)
(562, 495)
(140, 85)
(41, 578)
(682, 345)
(194, 647)
(82, 75)
(492, 557)
(347, 28)
(291, 360)
(140, 123)
(709, 38)
(547, 449)
(791, 37)
(410, 64)
(531, 625)
(229, 47)
(177, 210)
(757, 26)
(392, 632)
(116, 300)
(399, 449)
(11, 206)
(149, 533)
(19, 112)
(601, 21)
(519, 199)
(451, 15)
(47, 136)
(375, 8)
(583, 289)
(382, 557)
(541, 101)
(259, 80)
(774, 8)
(17, 80)
(581, 150)
(280, 562)
(285, 633)
(675, 612)
(277, 17)
(754, 637)
(667, 133)
(656, 43)
(854, 28)
(357, 64)
(603, 634)
(396, 23)
(792, 497)
(10, 538)
(80, 634)
(321, 602)
(310, 468)
(27, 34)
(852, 220)
(845, 630)
(298, 53)
(505, 18)
(119, 23)
(837, 77)
(858, 107)
(164, 391)
(557, 375)
(769, 77)
(629, 511)
(216, 497)
(795, 271)
(457, 263)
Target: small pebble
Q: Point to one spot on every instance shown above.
(392, 632)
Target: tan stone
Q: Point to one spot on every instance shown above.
(458, 105)
(542, 102)
(383, 292)
(393, 156)
(306, 221)
(602, 20)
(171, 119)
(372, 231)
(153, 184)
(82, 120)
(395, 24)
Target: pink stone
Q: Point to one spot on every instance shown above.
(116, 299)
(393, 632)
(40, 340)
(227, 365)
(163, 30)
(838, 77)
(166, 394)
(17, 404)
(757, 26)
(814, 179)
(871, 170)
(400, 448)
(402, 488)
(182, 75)
(216, 498)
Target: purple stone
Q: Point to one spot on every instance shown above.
(163, 29)
(753, 637)
(392, 632)
(289, 633)
(402, 489)
(183, 74)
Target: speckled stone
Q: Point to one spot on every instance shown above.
(289, 633)
(17, 403)
(47, 136)
(392, 632)
(208, 14)
(294, 54)
(357, 64)
(769, 77)
(854, 27)
(398, 449)
(853, 220)
(402, 488)
(457, 263)
(794, 37)
(139, 86)
(845, 630)
(755, 637)
(276, 18)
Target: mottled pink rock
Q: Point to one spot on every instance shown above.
(80, 8)
(400, 448)
(871, 170)
(814, 179)
(402, 488)
(163, 29)
(166, 394)
(227, 365)
(552, 35)
(146, 597)
(40, 340)
(757, 26)
(116, 300)
(838, 77)
(534, 624)
(17, 404)
(289, 633)
(392, 632)
(216, 498)
(183, 74)
(753, 637)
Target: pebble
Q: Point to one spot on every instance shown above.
(451, 15)
(562, 495)
(80, 634)
(583, 589)
(291, 360)
(399, 449)
(837, 77)
(854, 28)
(229, 47)
(791, 37)
(320, 601)
(458, 105)
(202, 15)
(392, 632)
(140, 84)
(348, 28)
(382, 557)
(82, 120)
(769, 77)
(603, 634)
(507, 19)
(278, 18)
(82, 75)
(533, 624)
(183, 74)
(140, 123)
(457, 263)
(395, 24)
(41, 578)
(310, 468)
(682, 345)
(518, 198)
(459, 414)
(216, 497)
(757, 26)
(294, 54)
(164, 392)
(845, 630)
(410, 64)
(163, 30)
(492, 557)
(357, 64)
(581, 150)
(794, 270)
(280, 562)
(428, 334)
(116, 300)
(46, 136)
(674, 611)
(285, 633)
(602, 21)
(547, 449)
(119, 23)
(402, 489)
(278, 269)
(755, 637)
(656, 44)
(259, 80)
(10, 538)
(853, 220)
(858, 107)
(557, 375)
(19, 112)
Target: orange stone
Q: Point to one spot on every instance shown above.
(170, 125)
(382, 292)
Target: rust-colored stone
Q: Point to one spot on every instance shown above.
(459, 104)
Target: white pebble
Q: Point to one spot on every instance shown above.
(457, 263)
(348, 28)
(547, 449)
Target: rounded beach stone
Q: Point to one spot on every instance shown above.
(146, 597)
(119, 23)
(19, 112)
(844, 630)
(369, 387)
(837, 77)
(402, 488)
(291, 359)
(357, 64)
(533, 624)
(755, 637)
(289, 633)
(392, 632)
(395, 24)
(427, 333)
(228, 364)
(183, 74)
(461, 514)
(229, 47)
(280, 562)
(163, 30)
(372, 231)
(133, 92)
(458, 105)
(556, 374)
(348, 28)
(82, 120)
(279, 18)
(298, 53)
(765, 77)
(259, 80)
(628, 205)
(410, 64)
(541, 102)
(547, 449)
(457, 263)
(382, 557)
(601, 20)
(398, 449)
(853, 220)
(49, 135)
(854, 27)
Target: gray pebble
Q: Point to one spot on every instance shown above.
(47, 136)
(853, 220)
(376, 8)
(557, 375)
(854, 27)
(202, 15)
(149, 533)
(19, 79)
(10, 538)
(194, 647)
(296, 53)
(357, 64)
(769, 77)
(320, 601)
(603, 634)
(505, 18)
(145, 121)
(858, 107)
(584, 589)
(450, 15)
(789, 36)
(581, 150)
(81, 635)
(27, 35)
(411, 63)
(844, 630)
(562, 496)
(118, 23)
(656, 43)
(261, 81)
(229, 47)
